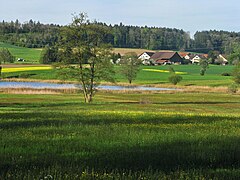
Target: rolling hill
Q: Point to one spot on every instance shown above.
(31, 55)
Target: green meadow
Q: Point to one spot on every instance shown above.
(190, 74)
(213, 75)
(31, 55)
(120, 136)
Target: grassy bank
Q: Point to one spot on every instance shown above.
(130, 136)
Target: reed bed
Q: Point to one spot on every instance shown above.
(20, 90)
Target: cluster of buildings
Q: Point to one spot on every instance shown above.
(170, 57)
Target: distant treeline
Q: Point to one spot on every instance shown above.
(222, 41)
(29, 34)
(35, 35)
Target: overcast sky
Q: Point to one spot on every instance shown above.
(189, 15)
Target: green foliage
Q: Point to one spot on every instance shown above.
(24, 75)
(84, 41)
(49, 55)
(235, 55)
(29, 34)
(213, 55)
(213, 40)
(37, 35)
(226, 74)
(115, 57)
(6, 56)
(204, 66)
(130, 66)
(236, 74)
(174, 79)
(233, 88)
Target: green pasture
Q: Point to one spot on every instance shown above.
(120, 136)
(192, 77)
(213, 75)
(31, 55)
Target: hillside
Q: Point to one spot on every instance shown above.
(31, 55)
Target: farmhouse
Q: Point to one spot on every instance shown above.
(195, 59)
(145, 57)
(162, 58)
(221, 59)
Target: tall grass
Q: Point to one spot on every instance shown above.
(60, 137)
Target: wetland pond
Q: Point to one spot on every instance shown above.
(43, 85)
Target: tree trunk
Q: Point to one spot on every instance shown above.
(90, 93)
(87, 98)
(85, 91)
(0, 71)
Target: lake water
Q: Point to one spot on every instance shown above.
(42, 85)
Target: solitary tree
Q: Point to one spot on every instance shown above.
(84, 41)
(174, 78)
(204, 65)
(130, 66)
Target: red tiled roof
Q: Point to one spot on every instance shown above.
(183, 54)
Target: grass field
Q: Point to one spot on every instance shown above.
(31, 55)
(120, 136)
(190, 73)
(150, 75)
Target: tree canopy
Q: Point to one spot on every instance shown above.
(6, 56)
(34, 34)
(84, 40)
(130, 66)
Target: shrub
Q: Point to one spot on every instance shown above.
(204, 66)
(174, 79)
(233, 88)
(24, 75)
(226, 74)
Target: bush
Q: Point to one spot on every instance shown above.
(226, 74)
(24, 75)
(233, 88)
(174, 79)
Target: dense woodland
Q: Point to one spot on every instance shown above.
(29, 34)
(36, 35)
